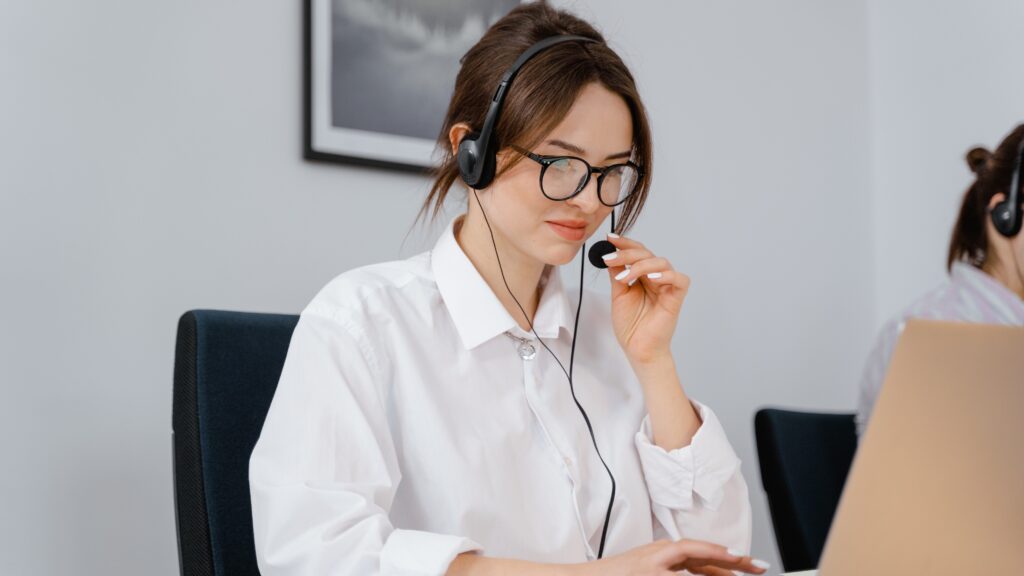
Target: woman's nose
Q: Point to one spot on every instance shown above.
(587, 200)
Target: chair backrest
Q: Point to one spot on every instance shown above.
(226, 368)
(804, 458)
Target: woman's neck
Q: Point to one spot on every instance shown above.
(1008, 275)
(521, 272)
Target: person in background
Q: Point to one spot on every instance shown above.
(986, 269)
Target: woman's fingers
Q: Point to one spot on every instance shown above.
(745, 565)
(621, 242)
(681, 551)
(626, 256)
(710, 571)
(643, 268)
(696, 555)
(667, 278)
(654, 272)
(632, 261)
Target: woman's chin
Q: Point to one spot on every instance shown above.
(561, 255)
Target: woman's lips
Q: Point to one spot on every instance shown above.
(572, 233)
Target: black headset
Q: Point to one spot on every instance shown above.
(1006, 215)
(477, 156)
(478, 151)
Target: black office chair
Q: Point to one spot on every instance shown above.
(226, 368)
(805, 458)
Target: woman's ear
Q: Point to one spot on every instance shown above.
(996, 199)
(456, 134)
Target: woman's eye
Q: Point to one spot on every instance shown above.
(561, 164)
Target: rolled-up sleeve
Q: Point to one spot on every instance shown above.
(697, 491)
(324, 472)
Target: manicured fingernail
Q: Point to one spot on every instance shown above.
(733, 552)
(610, 256)
(631, 282)
(655, 276)
(761, 564)
(613, 235)
(622, 274)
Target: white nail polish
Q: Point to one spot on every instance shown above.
(761, 564)
(631, 282)
(654, 275)
(622, 274)
(733, 552)
(613, 235)
(610, 256)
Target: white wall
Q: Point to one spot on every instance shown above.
(756, 107)
(150, 164)
(945, 76)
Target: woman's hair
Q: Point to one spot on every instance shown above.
(540, 96)
(993, 172)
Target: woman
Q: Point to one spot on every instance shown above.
(986, 268)
(425, 422)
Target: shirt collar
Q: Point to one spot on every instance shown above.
(998, 296)
(477, 313)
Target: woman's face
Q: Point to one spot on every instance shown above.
(599, 129)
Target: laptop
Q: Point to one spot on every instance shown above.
(937, 485)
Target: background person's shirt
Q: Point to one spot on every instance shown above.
(970, 296)
(407, 427)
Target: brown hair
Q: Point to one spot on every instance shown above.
(993, 174)
(540, 96)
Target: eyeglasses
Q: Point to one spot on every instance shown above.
(562, 177)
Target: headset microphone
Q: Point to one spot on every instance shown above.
(598, 250)
(601, 248)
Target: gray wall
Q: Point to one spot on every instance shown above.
(944, 77)
(149, 164)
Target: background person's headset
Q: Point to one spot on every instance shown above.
(1006, 216)
(477, 157)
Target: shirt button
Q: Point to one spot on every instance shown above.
(527, 351)
(568, 461)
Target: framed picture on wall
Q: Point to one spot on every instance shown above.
(379, 75)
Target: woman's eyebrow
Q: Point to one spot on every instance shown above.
(577, 150)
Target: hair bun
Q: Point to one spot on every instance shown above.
(977, 159)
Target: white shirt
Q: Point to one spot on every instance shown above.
(406, 428)
(971, 295)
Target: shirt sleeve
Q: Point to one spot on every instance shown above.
(697, 491)
(323, 474)
(875, 368)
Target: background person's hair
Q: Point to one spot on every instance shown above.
(540, 96)
(993, 173)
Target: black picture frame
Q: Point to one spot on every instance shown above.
(328, 35)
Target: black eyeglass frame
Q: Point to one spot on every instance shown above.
(546, 161)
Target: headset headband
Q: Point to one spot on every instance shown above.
(476, 155)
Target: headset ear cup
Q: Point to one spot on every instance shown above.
(1004, 221)
(476, 163)
(1000, 218)
(468, 159)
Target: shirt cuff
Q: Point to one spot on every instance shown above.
(416, 553)
(702, 468)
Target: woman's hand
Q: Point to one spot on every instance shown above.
(646, 299)
(659, 558)
(666, 557)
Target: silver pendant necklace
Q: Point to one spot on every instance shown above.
(525, 347)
